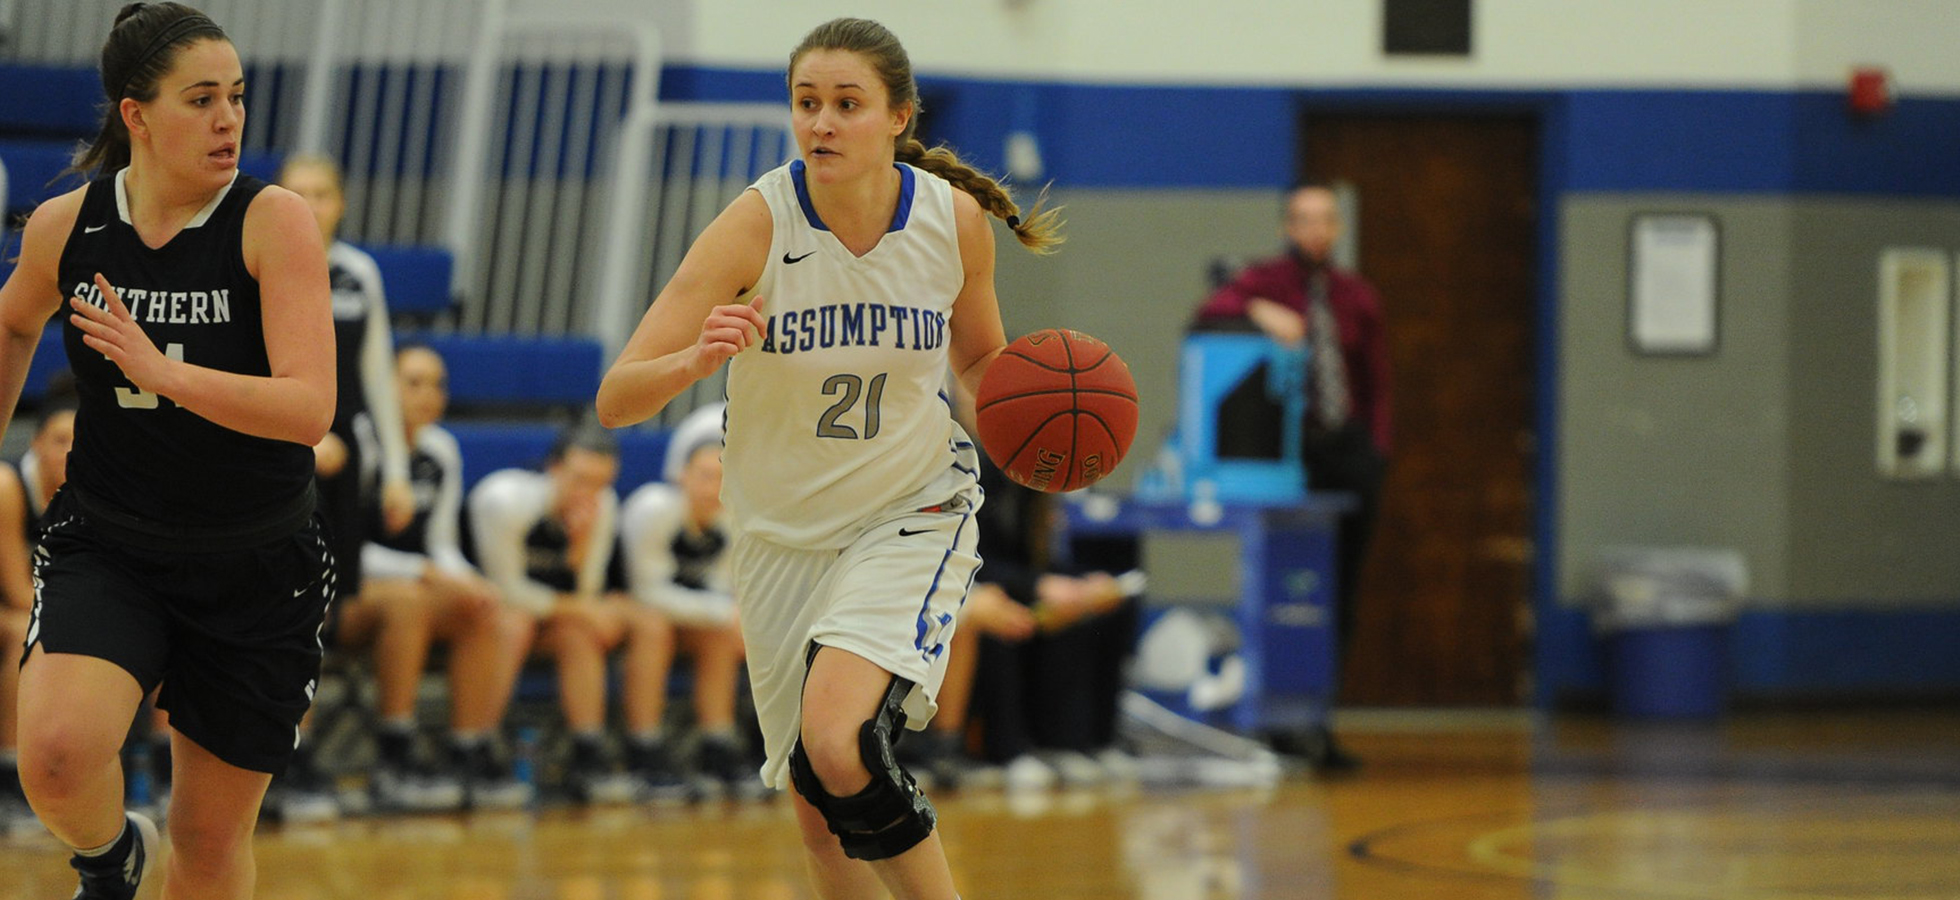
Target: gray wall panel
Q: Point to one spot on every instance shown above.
(1674, 450)
(1856, 535)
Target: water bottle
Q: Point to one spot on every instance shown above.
(1205, 509)
(136, 775)
(524, 759)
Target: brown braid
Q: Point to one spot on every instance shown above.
(1040, 230)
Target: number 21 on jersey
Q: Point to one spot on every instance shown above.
(851, 387)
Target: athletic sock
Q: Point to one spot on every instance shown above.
(119, 844)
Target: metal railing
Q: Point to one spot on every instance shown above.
(534, 148)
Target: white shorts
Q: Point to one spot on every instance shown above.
(892, 597)
(697, 609)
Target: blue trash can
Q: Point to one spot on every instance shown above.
(1664, 615)
(1672, 672)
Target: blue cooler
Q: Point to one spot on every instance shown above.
(1210, 368)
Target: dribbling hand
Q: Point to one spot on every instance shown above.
(728, 330)
(113, 332)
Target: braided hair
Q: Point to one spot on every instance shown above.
(1039, 230)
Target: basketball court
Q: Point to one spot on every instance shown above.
(1451, 805)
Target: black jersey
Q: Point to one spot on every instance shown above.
(426, 479)
(140, 461)
(545, 559)
(695, 556)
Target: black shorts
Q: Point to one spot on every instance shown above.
(232, 635)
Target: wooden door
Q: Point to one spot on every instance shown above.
(1446, 230)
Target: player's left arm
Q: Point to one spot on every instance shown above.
(977, 335)
(283, 251)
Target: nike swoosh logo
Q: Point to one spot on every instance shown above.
(908, 532)
(789, 260)
(91, 229)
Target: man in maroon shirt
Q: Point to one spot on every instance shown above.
(1298, 299)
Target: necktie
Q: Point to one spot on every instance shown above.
(1330, 393)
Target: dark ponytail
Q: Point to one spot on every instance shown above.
(141, 47)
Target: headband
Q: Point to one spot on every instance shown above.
(170, 34)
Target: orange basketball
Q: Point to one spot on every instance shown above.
(1057, 410)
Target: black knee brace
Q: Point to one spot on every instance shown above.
(889, 816)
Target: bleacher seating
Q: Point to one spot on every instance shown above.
(40, 128)
(416, 279)
(490, 446)
(41, 125)
(510, 391)
(494, 373)
(50, 101)
(49, 358)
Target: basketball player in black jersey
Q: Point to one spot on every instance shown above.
(184, 549)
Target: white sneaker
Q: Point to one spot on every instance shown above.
(1118, 766)
(1076, 769)
(306, 807)
(1026, 773)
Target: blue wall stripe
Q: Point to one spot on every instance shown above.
(1910, 150)
(1861, 651)
(1166, 136)
(1173, 136)
(1793, 654)
(1680, 141)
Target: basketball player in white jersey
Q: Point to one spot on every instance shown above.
(842, 286)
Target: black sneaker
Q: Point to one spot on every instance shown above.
(660, 776)
(488, 781)
(1317, 747)
(590, 779)
(931, 757)
(302, 794)
(413, 787)
(116, 874)
(723, 770)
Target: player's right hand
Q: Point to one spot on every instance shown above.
(728, 330)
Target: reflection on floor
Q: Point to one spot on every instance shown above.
(1454, 806)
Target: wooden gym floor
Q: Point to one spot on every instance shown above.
(1453, 806)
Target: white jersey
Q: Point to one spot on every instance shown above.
(839, 411)
(360, 304)
(506, 508)
(675, 568)
(432, 537)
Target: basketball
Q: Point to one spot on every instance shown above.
(1057, 410)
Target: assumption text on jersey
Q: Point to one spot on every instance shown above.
(855, 325)
(175, 307)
